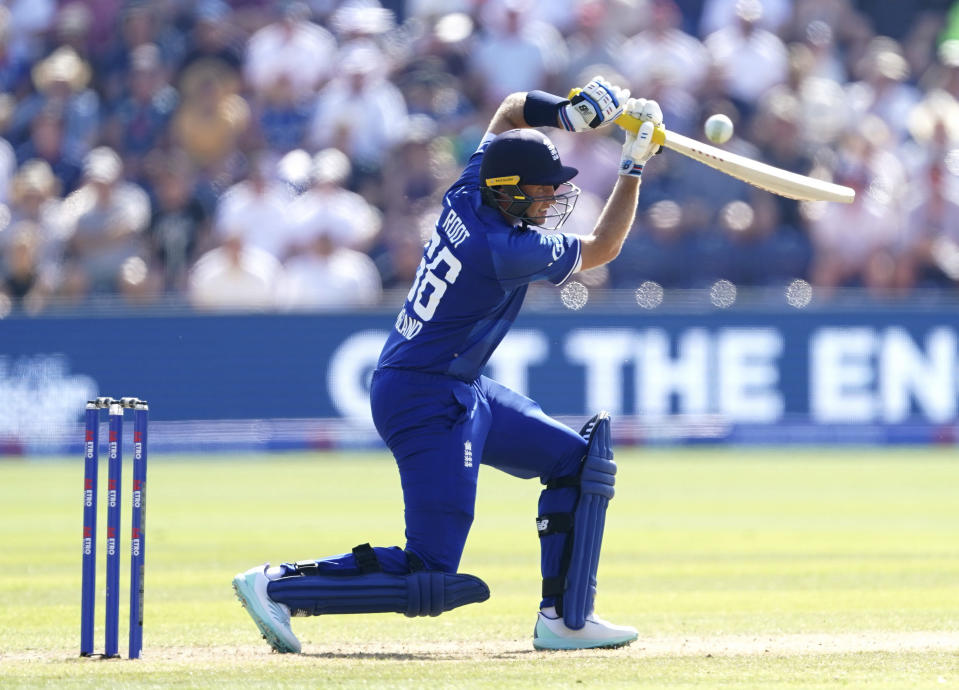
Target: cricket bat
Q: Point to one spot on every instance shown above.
(770, 178)
(767, 177)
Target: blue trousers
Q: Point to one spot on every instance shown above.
(440, 430)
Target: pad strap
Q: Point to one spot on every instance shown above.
(554, 586)
(366, 559)
(571, 482)
(415, 562)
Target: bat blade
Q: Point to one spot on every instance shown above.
(762, 175)
(770, 178)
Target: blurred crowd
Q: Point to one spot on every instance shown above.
(262, 154)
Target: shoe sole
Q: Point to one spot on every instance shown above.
(560, 645)
(248, 602)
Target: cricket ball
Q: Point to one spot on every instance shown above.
(718, 128)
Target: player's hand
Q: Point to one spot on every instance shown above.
(639, 146)
(596, 104)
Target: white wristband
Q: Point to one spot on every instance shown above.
(628, 166)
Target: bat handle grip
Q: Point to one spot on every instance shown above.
(631, 124)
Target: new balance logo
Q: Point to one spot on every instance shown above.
(468, 454)
(542, 525)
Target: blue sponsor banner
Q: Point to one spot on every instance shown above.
(858, 376)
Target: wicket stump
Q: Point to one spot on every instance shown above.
(138, 524)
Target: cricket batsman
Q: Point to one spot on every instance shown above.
(441, 417)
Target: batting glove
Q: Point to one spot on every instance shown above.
(596, 104)
(639, 146)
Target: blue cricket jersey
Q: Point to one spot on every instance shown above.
(471, 283)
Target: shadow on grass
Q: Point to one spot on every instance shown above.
(421, 656)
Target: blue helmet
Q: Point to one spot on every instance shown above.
(527, 156)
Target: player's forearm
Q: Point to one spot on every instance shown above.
(612, 228)
(509, 115)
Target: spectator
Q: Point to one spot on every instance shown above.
(739, 47)
(330, 209)
(681, 60)
(882, 89)
(109, 217)
(399, 249)
(213, 40)
(361, 19)
(211, 119)
(850, 27)
(656, 250)
(21, 279)
(750, 256)
(141, 22)
(29, 21)
(711, 246)
(105, 18)
(944, 74)
(516, 52)
(934, 131)
(419, 168)
(821, 104)
(8, 165)
(560, 15)
(14, 67)
(178, 226)
(61, 80)
(329, 275)
(431, 91)
(294, 170)
(862, 258)
(236, 277)
(35, 201)
(930, 254)
(596, 39)
(360, 112)
(74, 29)
(721, 14)
(140, 121)
(46, 143)
(783, 252)
(256, 210)
(294, 49)
(444, 52)
(282, 118)
(826, 62)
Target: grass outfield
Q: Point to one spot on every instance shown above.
(744, 568)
